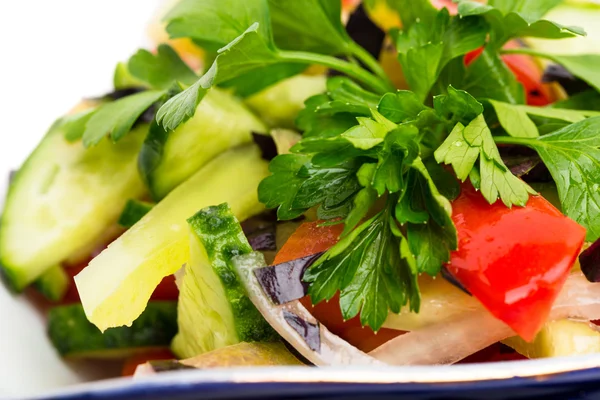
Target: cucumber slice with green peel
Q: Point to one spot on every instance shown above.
(53, 284)
(62, 199)
(117, 284)
(213, 309)
(220, 123)
(133, 212)
(280, 104)
(75, 337)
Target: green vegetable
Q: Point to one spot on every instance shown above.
(571, 154)
(162, 70)
(157, 246)
(279, 105)
(220, 122)
(468, 143)
(62, 199)
(214, 311)
(53, 284)
(117, 118)
(425, 52)
(516, 18)
(76, 338)
(133, 212)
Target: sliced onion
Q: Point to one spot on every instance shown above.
(333, 350)
(450, 341)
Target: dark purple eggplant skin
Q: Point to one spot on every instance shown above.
(267, 145)
(589, 261)
(283, 282)
(310, 333)
(447, 275)
(261, 231)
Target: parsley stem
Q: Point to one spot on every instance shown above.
(514, 140)
(354, 71)
(367, 59)
(530, 52)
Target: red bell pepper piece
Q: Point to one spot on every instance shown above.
(514, 260)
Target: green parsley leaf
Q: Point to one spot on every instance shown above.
(279, 189)
(401, 106)
(571, 154)
(462, 149)
(310, 25)
(215, 23)
(118, 117)
(182, 107)
(514, 120)
(318, 124)
(457, 106)
(244, 54)
(73, 126)
(425, 52)
(489, 77)
(122, 78)
(328, 186)
(367, 134)
(510, 19)
(162, 70)
(413, 11)
(373, 269)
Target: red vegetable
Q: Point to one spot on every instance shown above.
(515, 261)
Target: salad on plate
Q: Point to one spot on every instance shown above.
(324, 182)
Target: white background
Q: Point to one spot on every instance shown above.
(52, 53)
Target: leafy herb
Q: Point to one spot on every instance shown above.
(517, 18)
(162, 70)
(117, 118)
(372, 267)
(571, 154)
(468, 143)
(425, 52)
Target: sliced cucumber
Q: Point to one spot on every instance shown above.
(213, 310)
(117, 284)
(221, 122)
(280, 104)
(53, 284)
(75, 337)
(559, 338)
(62, 199)
(133, 212)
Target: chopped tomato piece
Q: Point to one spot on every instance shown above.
(514, 260)
(310, 238)
(133, 362)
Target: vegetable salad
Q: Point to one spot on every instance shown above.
(324, 182)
